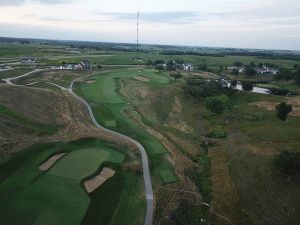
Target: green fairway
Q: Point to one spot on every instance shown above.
(167, 176)
(55, 197)
(109, 105)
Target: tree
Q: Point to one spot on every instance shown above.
(171, 65)
(63, 63)
(283, 109)
(250, 70)
(160, 67)
(238, 64)
(217, 104)
(247, 86)
(285, 74)
(288, 162)
(203, 67)
(157, 62)
(99, 66)
(149, 63)
(176, 75)
(235, 72)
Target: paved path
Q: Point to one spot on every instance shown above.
(145, 163)
(9, 80)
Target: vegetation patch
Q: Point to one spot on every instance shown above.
(167, 176)
(110, 123)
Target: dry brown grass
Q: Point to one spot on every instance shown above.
(41, 105)
(226, 200)
(176, 119)
(270, 106)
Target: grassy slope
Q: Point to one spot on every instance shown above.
(33, 195)
(32, 127)
(14, 72)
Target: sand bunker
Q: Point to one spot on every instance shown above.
(50, 162)
(144, 79)
(90, 81)
(95, 182)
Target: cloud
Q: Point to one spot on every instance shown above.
(21, 2)
(11, 2)
(52, 1)
(155, 17)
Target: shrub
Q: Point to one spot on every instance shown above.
(288, 162)
(217, 104)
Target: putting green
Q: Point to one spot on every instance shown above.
(82, 163)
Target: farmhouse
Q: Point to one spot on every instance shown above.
(29, 60)
(84, 65)
(241, 69)
(266, 70)
(188, 67)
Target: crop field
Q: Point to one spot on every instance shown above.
(54, 197)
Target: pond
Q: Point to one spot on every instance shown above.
(252, 87)
(247, 86)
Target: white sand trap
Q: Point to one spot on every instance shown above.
(95, 182)
(90, 81)
(50, 162)
(144, 79)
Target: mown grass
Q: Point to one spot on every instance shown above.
(122, 204)
(108, 105)
(46, 198)
(81, 163)
(167, 176)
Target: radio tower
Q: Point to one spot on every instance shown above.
(137, 34)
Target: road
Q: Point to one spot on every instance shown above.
(145, 162)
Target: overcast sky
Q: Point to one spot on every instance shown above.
(267, 24)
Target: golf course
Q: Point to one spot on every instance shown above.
(56, 196)
(109, 108)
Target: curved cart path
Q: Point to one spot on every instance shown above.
(145, 163)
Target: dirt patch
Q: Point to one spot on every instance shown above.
(176, 118)
(270, 106)
(50, 162)
(95, 182)
(140, 78)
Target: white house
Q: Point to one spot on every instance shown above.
(187, 67)
(29, 60)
